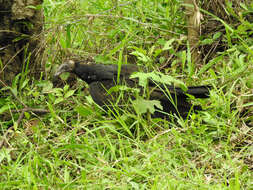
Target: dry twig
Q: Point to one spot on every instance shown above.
(21, 116)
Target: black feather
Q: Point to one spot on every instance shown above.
(102, 77)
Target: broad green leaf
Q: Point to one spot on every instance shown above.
(15, 125)
(24, 83)
(140, 56)
(27, 115)
(207, 41)
(217, 35)
(69, 93)
(143, 51)
(51, 109)
(4, 108)
(2, 101)
(143, 106)
(65, 76)
(36, 94)
(118, 88)
(143, 78)
(51, 97)
(166, 79)
(66, 87)
(151, 50)
(58, 100)
(168, 44)
(57, 91)
(157, 52)
(157, 77)
(47, 87)
(14, 91)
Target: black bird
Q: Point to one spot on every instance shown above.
(101, 78)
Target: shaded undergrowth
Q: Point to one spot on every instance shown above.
(79, 146)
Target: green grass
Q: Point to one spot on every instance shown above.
(78, 146)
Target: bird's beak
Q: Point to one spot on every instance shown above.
(61, 69)
(65, 67)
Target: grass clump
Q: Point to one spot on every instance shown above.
(78, 146)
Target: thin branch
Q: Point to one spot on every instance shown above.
(21, 116)
(27, 109)
(12, 59)
(168, 60)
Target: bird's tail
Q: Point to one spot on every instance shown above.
(199, 91)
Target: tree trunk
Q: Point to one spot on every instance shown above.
(21, 24)
(193, 23)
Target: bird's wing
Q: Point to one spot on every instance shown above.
(110, 72)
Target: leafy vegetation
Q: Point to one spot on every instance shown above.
(79, 146)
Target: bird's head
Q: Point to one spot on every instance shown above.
(67, 66)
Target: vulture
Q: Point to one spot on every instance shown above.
(101, 78)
